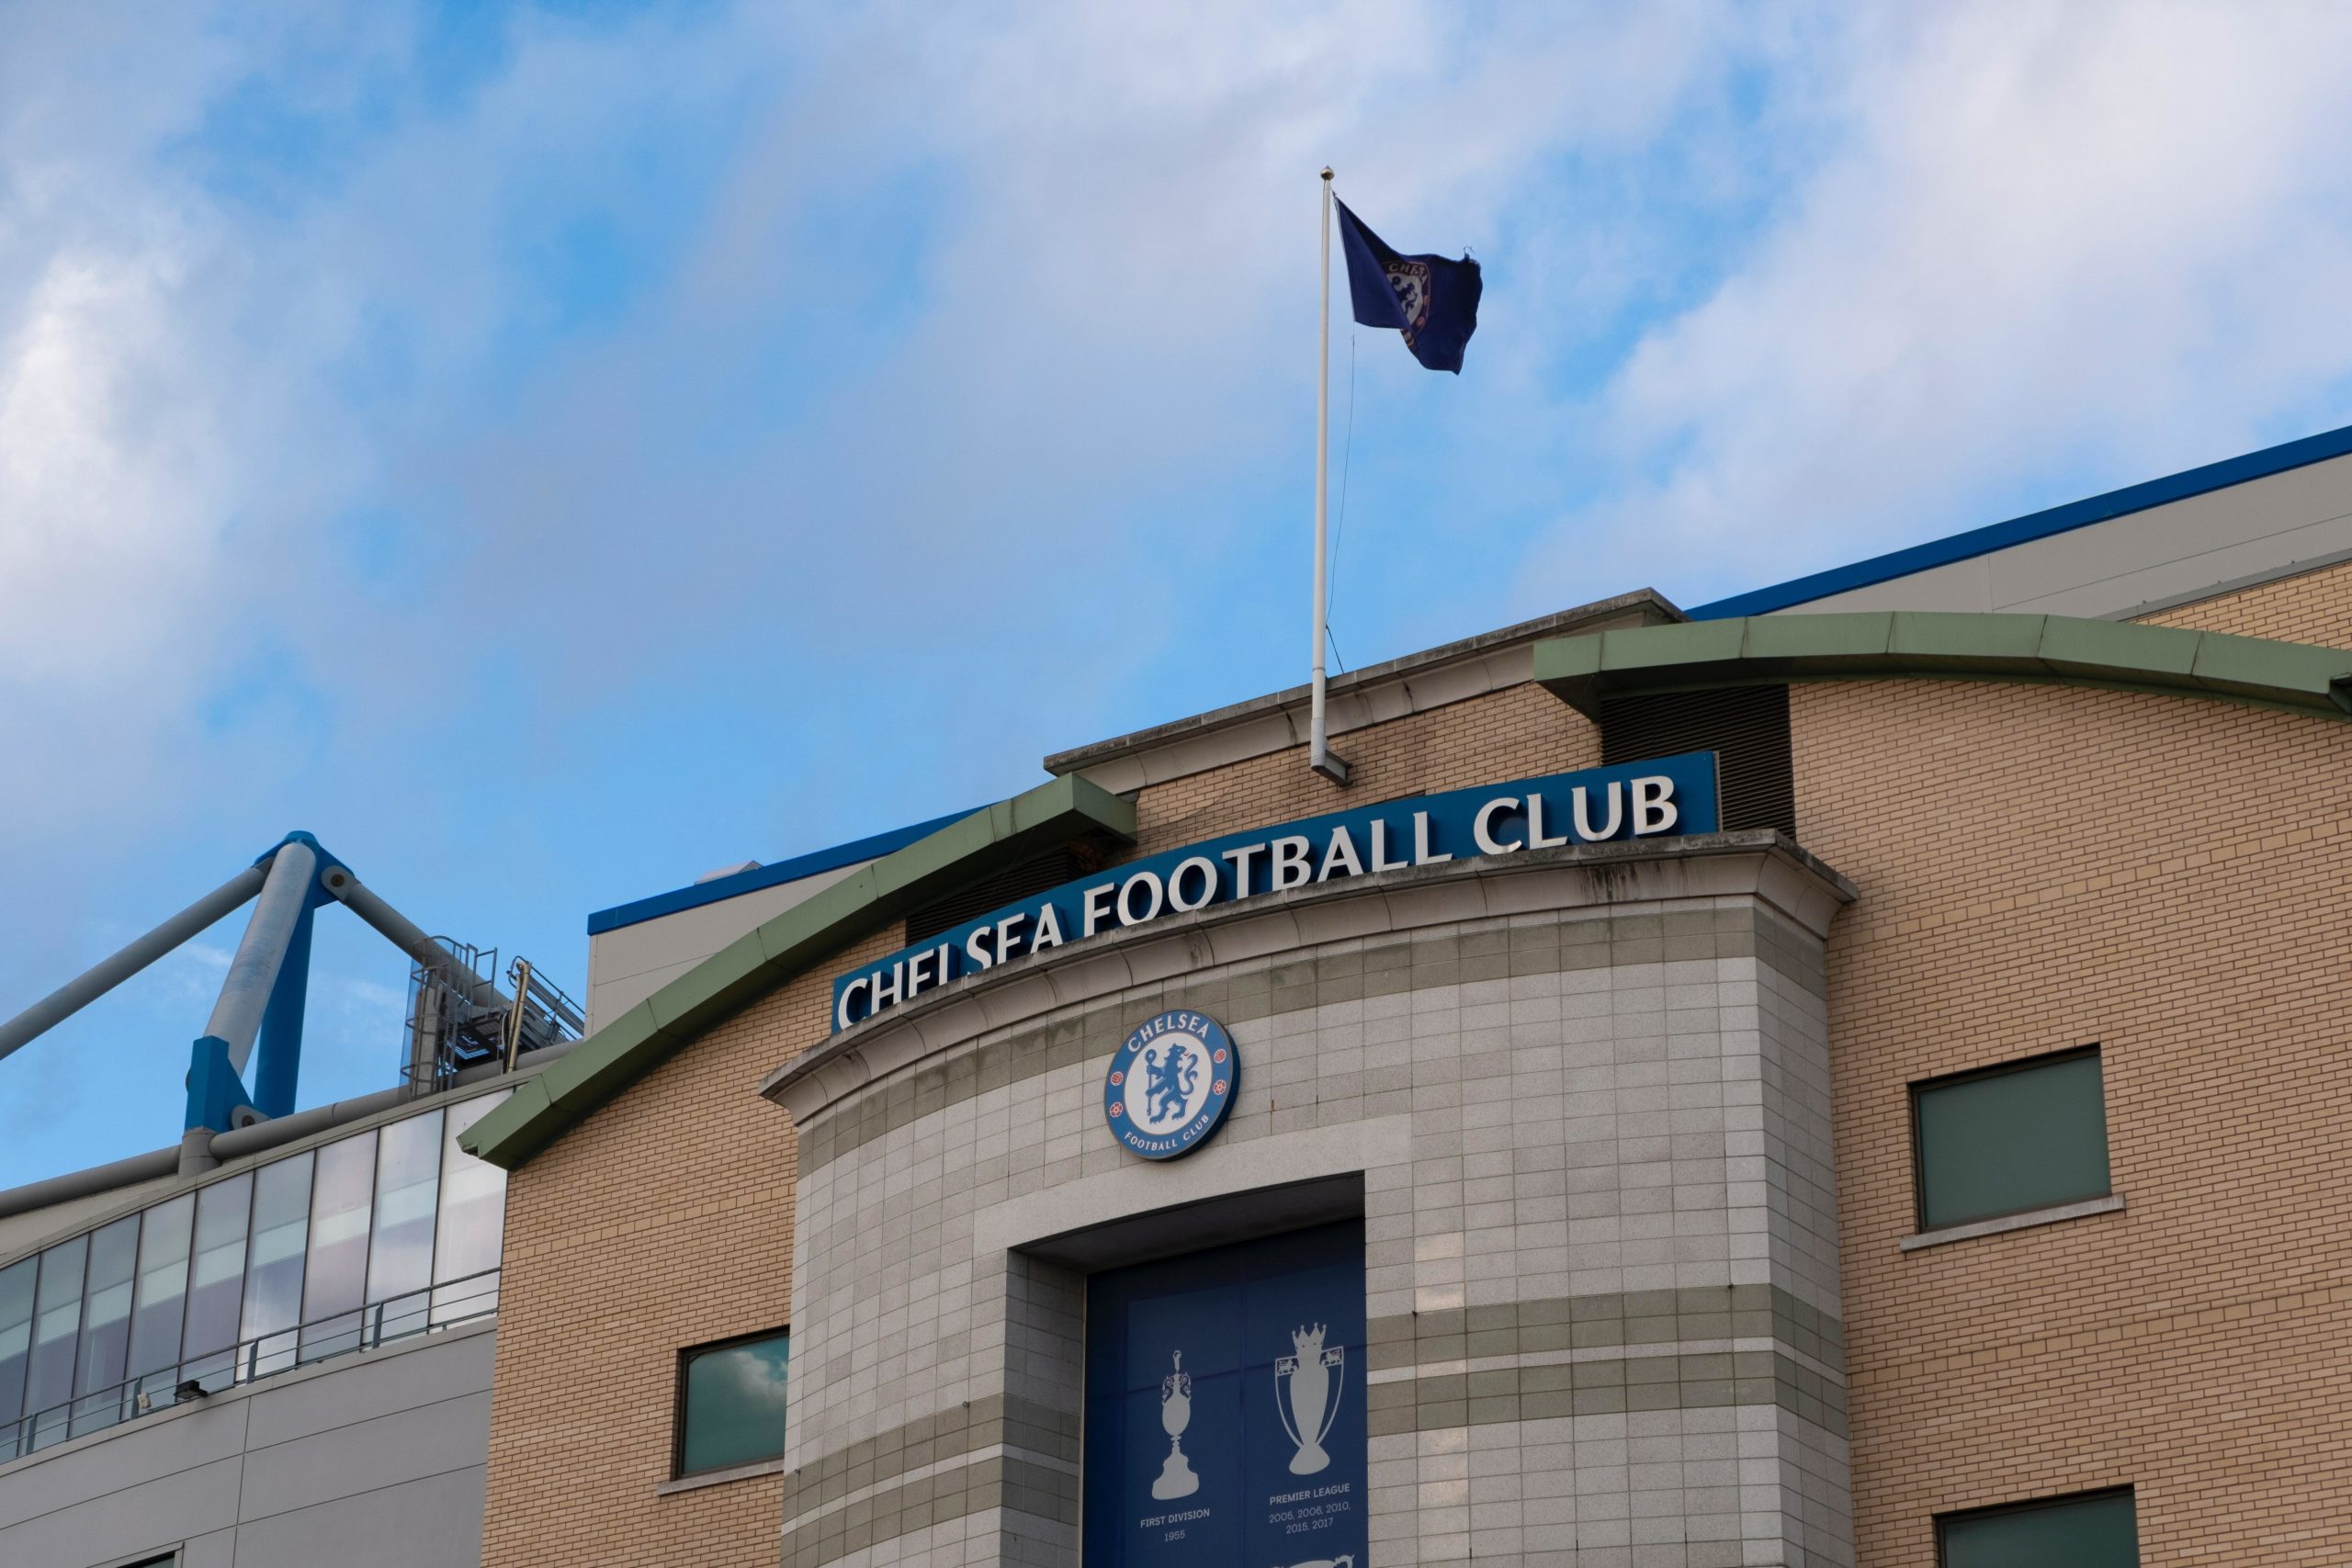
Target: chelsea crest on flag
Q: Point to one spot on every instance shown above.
(1433, 302)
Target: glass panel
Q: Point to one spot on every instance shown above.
(106, 1324)
(2099, 1531)
(338, 1272)
(474, 1223)
(155, 1315)
(400, 1255)
(2012, 1141)
(217, 1278)
(734, 1405)
(16, 1346)
(274, 1268)
(57, 1332)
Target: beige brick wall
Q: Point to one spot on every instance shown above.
(1522, 732)
(663, 1222)
(666, 1220)
(2312, 606)
(2042, 867)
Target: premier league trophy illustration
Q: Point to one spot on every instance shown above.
(1314, 1397)
(1176, 1478)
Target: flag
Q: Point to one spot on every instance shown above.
(1433, 302)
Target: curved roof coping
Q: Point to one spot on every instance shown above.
(1583, 671)
(603, 1066)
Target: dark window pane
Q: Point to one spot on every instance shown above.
(16, 1346)
(472, 1224)
(57, 1334)
(274, 1266)
(2022, 1138)
(734, 1405)
(156, 1312)
(217, 1278)
(400, 1253)
(340, 1207)
(106, 1324)
(2097, 1531)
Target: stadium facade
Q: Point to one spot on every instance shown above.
(1847, 1074)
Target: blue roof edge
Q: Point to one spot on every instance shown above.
(751, 881)
(2032, 526)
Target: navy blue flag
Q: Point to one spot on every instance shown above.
(1433, 302)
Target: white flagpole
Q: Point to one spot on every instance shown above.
(1320, 755)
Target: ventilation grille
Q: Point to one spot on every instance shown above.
(1034, 874)
(1745, 726)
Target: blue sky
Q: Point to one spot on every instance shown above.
(550, 451)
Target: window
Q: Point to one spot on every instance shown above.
(731, 1404)
(2094, 1529)
(380, 1234)
(2008, 1139)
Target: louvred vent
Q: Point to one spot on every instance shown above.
(1034, 874)
(1745, 726)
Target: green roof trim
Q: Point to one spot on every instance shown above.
(1583, 671)
(597, 1071)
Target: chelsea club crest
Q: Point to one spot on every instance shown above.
(1169, 1084)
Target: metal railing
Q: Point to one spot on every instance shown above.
(445, 1305)
(448, 1032)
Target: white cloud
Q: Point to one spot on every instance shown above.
(2044, 239)
(1768, 289)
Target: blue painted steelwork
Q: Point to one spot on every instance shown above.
(2032, 526)
(216, 1090)
(751, 881)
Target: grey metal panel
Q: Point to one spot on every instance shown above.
(406, 1444)
(434, 1522)
(126, 1457)
(377, 1458)
(149, 1517)
(369, 1387)
(216, 1550)
(2254, 532)
(628, 964)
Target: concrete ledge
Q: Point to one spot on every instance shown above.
(2110, 1204)
(1757, 863)
(1373, 695)
(720, 1477)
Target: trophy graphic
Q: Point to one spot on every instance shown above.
(1176, 1478)
(1314, 1400)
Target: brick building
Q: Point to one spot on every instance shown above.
(1841, 1075)
(1932, 1160)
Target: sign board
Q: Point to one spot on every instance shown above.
(1668, 796)
(1224, 1408)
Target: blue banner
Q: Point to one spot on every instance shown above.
(1224, 1408)
(1669, 796)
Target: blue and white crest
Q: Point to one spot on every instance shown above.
(1169, 1084)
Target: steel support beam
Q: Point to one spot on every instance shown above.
(278, 1059)
(80, 992)
(411, 938)
(253, 973)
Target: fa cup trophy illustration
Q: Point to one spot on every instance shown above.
(1314, 1401)
(1176, 1478)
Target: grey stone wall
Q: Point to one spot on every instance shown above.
(1587, 1095)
